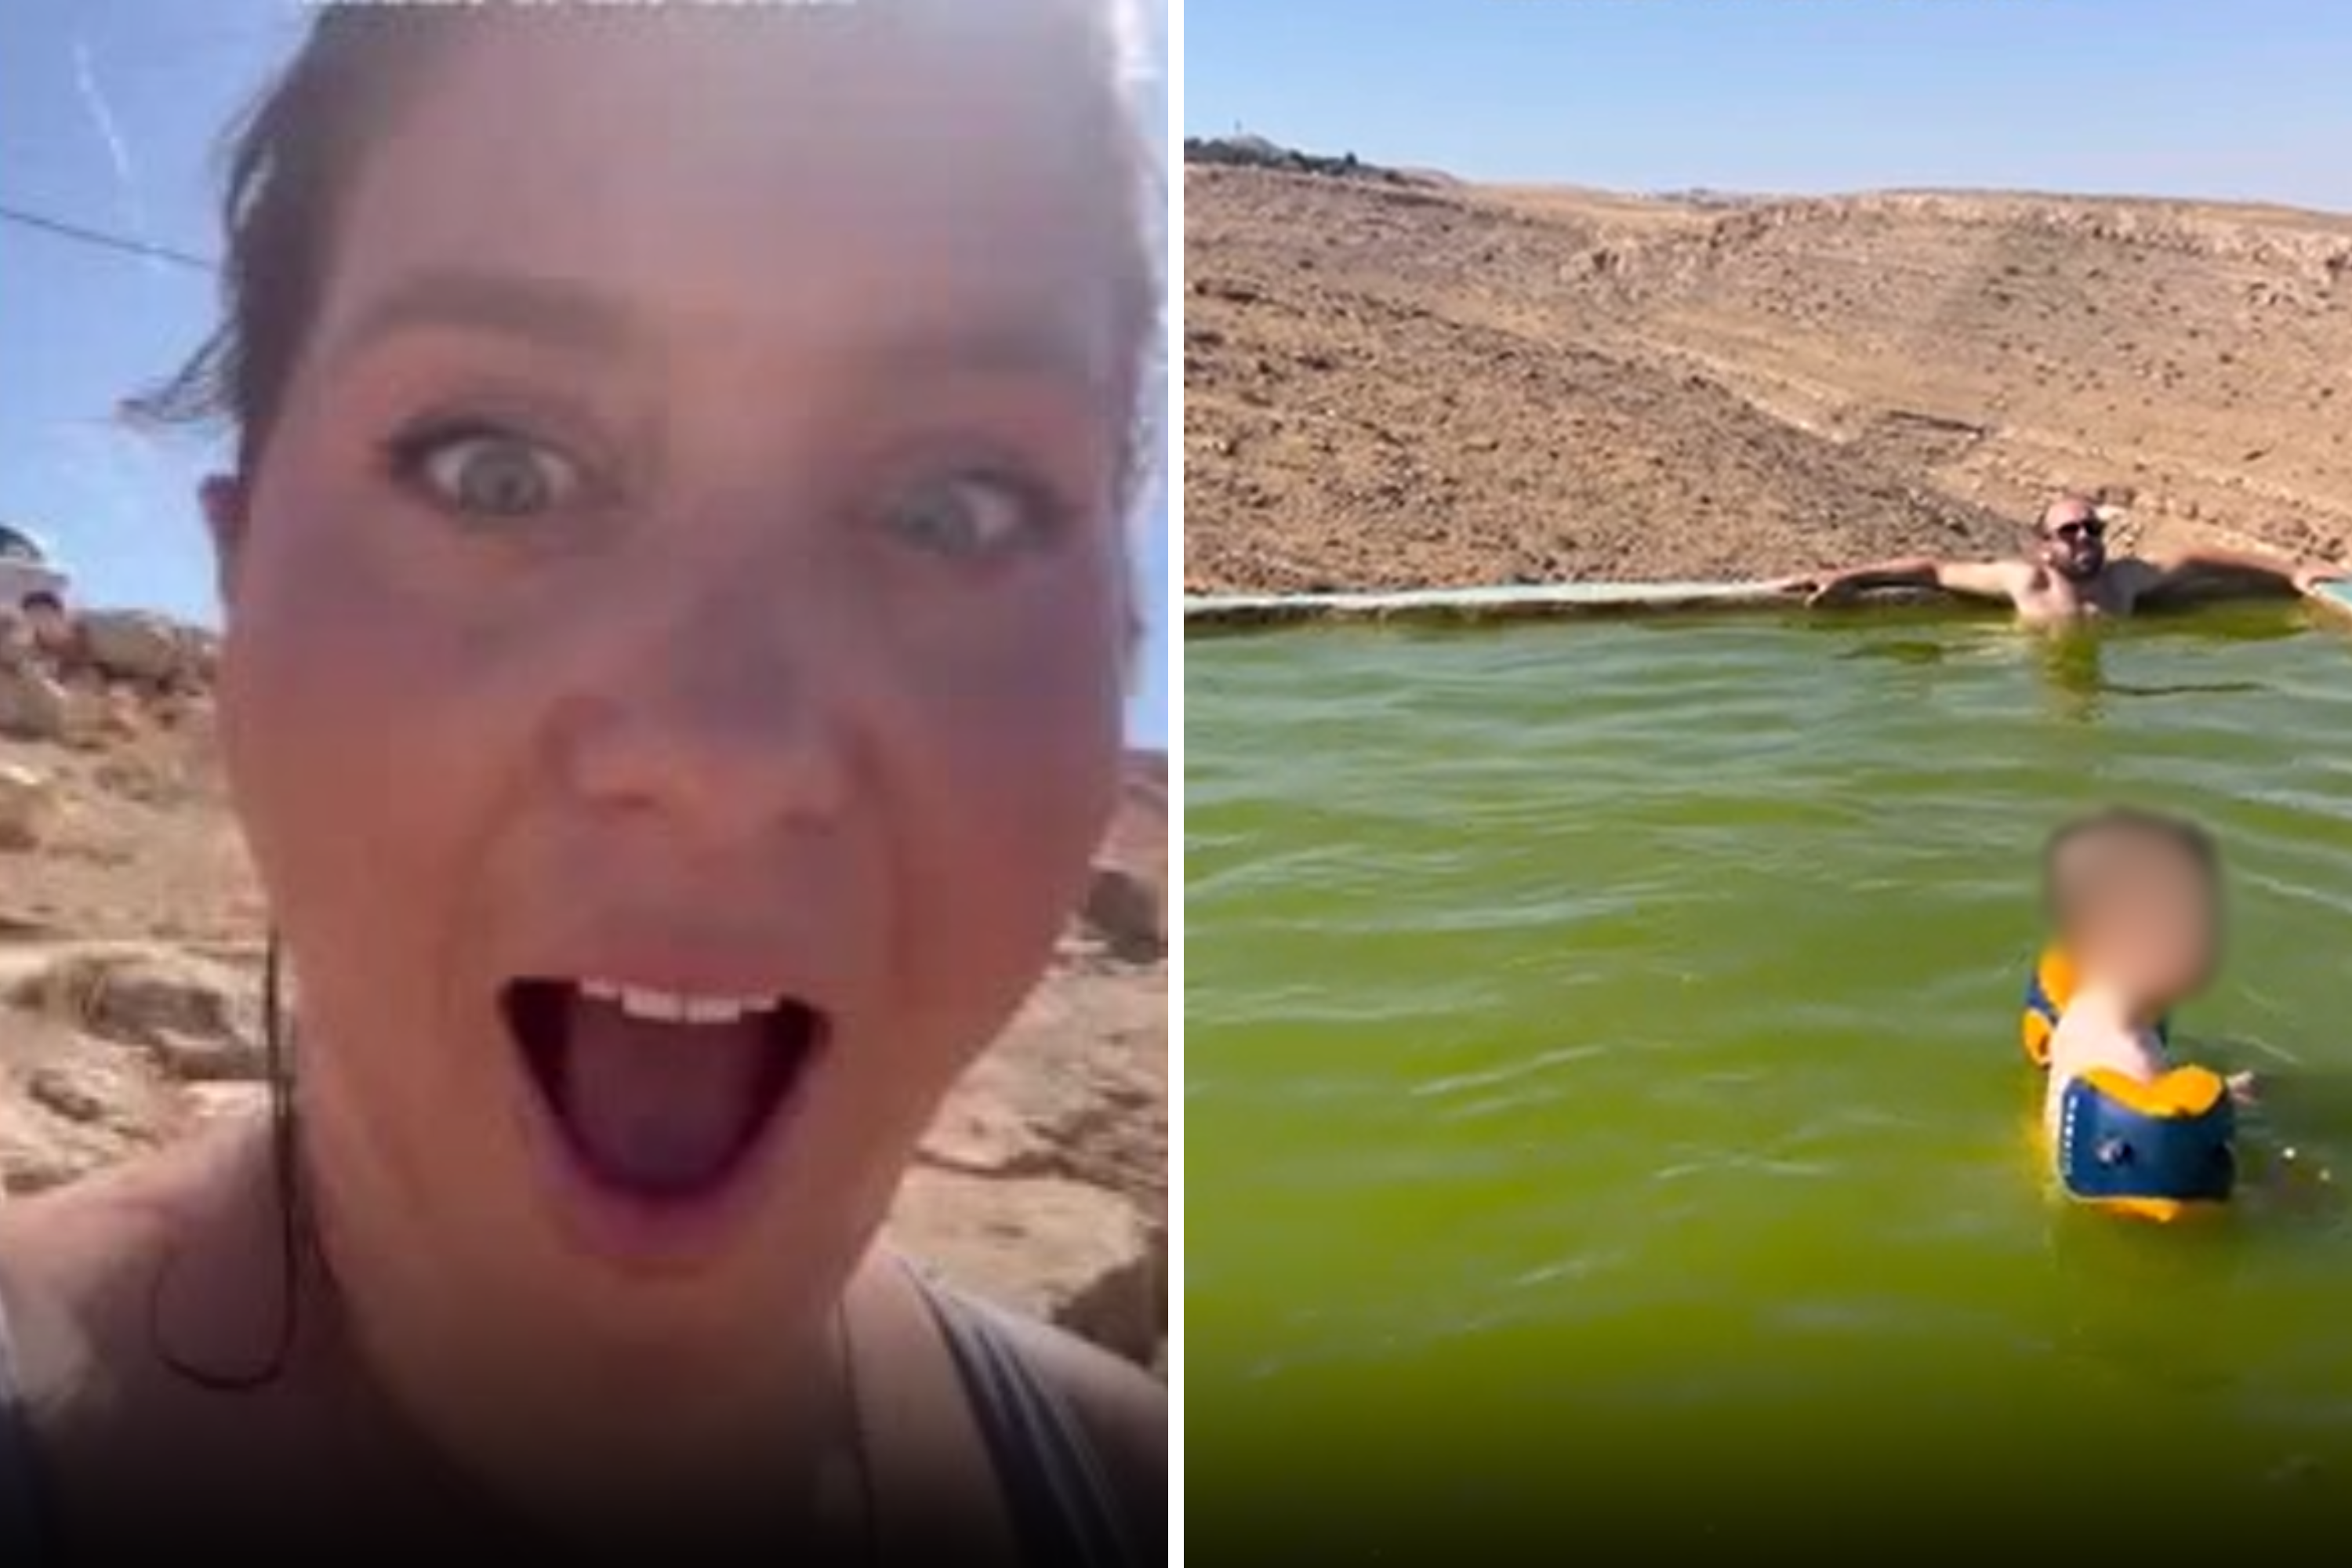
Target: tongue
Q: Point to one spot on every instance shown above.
(661, 1108)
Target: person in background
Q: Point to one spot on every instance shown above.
(2065, 574)
(677, 618)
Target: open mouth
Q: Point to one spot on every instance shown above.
(661, 1098)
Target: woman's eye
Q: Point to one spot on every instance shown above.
(491, 474)
(970, 516)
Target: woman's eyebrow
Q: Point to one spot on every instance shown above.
(1046, 349)
(545, 311)
(563, 315)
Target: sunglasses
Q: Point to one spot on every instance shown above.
(2070, 532)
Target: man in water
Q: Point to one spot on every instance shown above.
(2066, 574)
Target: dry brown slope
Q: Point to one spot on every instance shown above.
(1388, 386)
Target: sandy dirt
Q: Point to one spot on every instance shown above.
(1430, 382)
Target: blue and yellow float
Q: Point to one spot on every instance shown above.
(2154, 1150)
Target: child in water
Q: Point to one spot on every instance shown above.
(2134, 898)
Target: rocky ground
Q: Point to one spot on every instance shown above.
(1397, 381)
(131, 936)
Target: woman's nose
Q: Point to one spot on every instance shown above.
(726, 724)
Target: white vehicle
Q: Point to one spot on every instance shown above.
(25, 568)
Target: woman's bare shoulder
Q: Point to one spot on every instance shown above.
(75, 1261)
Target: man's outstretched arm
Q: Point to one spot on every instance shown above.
(1970, 579)
(2201, 567)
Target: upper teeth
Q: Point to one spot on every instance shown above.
(673, 1006)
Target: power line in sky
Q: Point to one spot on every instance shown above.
(106, 241)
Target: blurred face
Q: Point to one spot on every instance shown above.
(672, 683)
(2149, 916)
(2073, 542)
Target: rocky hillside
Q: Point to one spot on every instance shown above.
(131, 936)
(1388, 385)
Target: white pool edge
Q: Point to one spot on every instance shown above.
(1515, 601)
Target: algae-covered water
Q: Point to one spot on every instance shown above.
(1604, 1119)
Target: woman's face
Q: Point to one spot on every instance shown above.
(673, 678)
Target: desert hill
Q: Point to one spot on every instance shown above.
(130, 945)
(1394, 382)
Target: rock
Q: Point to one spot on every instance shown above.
(233, 1057)
(197, 1019)
(217, 1102)
(38, 1150)
(979, 1134)
(1129, 913)
(200, 656)
(67, 1107)
(131, 644)
(29, 807)
(120, 715)
(32, 706)
(105, 1097)
(1071, 1254)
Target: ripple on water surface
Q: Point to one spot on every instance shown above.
(1608, 1029)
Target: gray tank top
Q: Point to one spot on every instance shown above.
(1062, 1507)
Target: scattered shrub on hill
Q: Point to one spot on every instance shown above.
(1257, 152)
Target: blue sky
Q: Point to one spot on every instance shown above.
(2245, 99)
(110, 112)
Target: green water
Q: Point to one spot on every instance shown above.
(1602, 1101)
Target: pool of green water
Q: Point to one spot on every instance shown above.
(1603, 1108)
